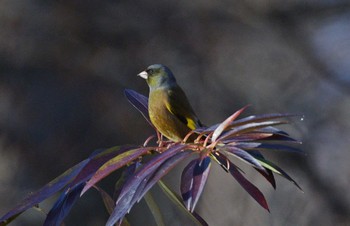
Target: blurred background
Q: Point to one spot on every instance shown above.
(64, 65)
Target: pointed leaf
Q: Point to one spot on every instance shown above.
(127, 173)
(269, 165)
(154, 209)
(267, 173)
(262, 118)
(244, 128)
(193, 180)
(63, 206)
(46, 191)
(243, 155)
(226, 123)
(245, 137)
(124, 202)
(97, 160)
(163, 170)
(114, 164)
(246, 184)
(140, 102)
(107, 199)
(196, 218)
(267, 146)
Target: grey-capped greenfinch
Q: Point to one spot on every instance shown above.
(168, 107)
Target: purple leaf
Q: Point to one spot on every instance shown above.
(46, 191)
(140, 102)
(163, 170)
(124, 202)
(63, 206)
(114, 164)
(265, 146)
(262, 118)
(248, 127)
(193, 180)
(246, 184)
(226, 123)
(148, 182)
(97, 160)
(274, 168)
(243, 155)
(266, 173)
(127, 173)
(251, 136)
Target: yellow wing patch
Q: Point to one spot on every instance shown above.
(191, 124)
(186, 120)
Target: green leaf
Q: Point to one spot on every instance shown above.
(196, 219)
(154, 208)
(271, 166)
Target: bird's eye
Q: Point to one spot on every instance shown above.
(149, 71)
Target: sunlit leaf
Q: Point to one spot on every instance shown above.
(226, 123)
(114, 164)
(244, 128)
(262, 118)
(243, 155)
(193, 180)
(245, 137)
(63, 206)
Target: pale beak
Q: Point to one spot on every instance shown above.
(143, 75)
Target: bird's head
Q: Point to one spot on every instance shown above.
(158, 76)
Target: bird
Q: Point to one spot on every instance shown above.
(168, 106)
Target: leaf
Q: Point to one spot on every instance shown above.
(45, 192)
(155, 210)
(193, 180)
(244, 128)
(265, 173)
(163, 170)
(114, 164)
(97, 160)
(265, 146)
(246, 184)
(63, 206)
(127, 173)
(140, 102)
(226, 123)
(126, 198)
(107, 199)
(252, 119)
(262, 118)
(245, 137)
(196, 218)
(274, 168)
(243, 155)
